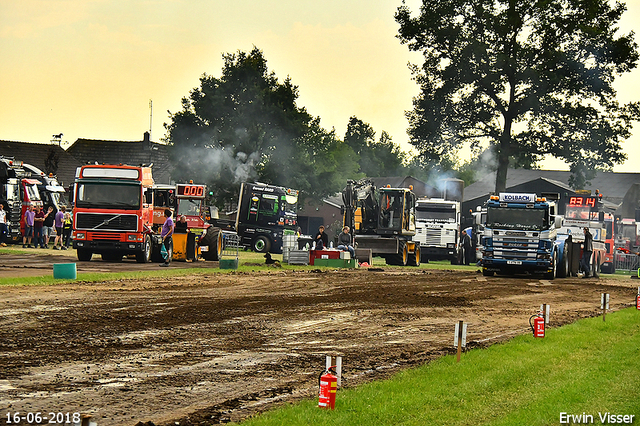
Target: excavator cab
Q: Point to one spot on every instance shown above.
(396, 207)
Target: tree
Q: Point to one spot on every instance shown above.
(245, 126)
(376, 158)
(530, 78)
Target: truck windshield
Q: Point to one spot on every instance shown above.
(291, 204)
(517, 218)
(440, 213)
(108, 195)
(189, 207)
(32, 192)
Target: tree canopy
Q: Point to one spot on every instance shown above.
(530, 78)
(375, 158)
(245, 126)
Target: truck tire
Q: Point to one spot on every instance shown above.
(213, 240)
(552, 275)
(595, 266)
(563, 267)
(84, 255)
(144, 256)
(261, 244)
(414, 258)
(401, 258)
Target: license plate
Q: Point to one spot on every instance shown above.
(514, 262)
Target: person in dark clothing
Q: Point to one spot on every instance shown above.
(321, 239)
(181, 225)
(587, 251)
(344, 242)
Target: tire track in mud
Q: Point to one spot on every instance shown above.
(221, 347)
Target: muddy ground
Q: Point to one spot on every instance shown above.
(214, 348)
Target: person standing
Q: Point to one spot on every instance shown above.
(587, 251)
(166, 233)
(29, 220)
(47, 225)
(38, 223)
(67, 227)
(3, 226)
(321, 239)
(58, 223)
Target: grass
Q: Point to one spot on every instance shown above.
(248, 262)
(588, 367)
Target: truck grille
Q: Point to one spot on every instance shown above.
(515, 248)
(107, 222)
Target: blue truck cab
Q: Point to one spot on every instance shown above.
(520, 235)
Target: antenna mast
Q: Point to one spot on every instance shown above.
(150, 116)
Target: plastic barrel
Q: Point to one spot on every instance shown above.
(64, 270)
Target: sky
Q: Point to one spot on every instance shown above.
(91, 68)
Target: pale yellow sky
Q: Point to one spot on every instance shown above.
(88, 68)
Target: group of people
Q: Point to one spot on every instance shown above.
(345, 242)
(40, 228)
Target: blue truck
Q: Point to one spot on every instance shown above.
(521, 236)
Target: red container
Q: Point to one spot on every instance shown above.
(320, 254)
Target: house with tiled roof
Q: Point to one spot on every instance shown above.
(134, 153)
(48, 157)
(613, 186)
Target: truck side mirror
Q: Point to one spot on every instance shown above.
(558, 221)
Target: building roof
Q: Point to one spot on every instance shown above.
(613, 186)
(133, 153)
(37, 154)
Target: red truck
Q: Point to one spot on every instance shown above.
(113, 212)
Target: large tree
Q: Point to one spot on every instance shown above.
(375, 158)
(528, 77)
(245, 126)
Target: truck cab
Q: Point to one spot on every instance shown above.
(520, 235)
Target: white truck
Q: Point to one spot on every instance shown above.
(438, 229)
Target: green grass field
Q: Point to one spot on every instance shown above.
(587, 367)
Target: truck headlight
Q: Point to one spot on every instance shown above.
(80, 236)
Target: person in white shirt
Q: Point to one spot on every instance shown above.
(3, 226)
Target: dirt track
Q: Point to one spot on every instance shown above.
(212, 348)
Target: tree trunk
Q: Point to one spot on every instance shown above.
(503, 157)
(501, 173)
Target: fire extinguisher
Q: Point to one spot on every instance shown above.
(538, 324)
(328, 385)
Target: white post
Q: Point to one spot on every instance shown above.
(339, 370)
(328, 363)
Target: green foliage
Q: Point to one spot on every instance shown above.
(376, 158)
(586, 367)
(528, 78)
(245, 126)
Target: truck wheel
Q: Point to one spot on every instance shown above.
(145, 255)
(563, 267)
(84, 255)
(595, 266)
(552, 275)
(261, 244)
(213, 240)
(414, 259)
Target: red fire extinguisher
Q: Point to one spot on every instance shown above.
(328, 386)
(538, 324)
